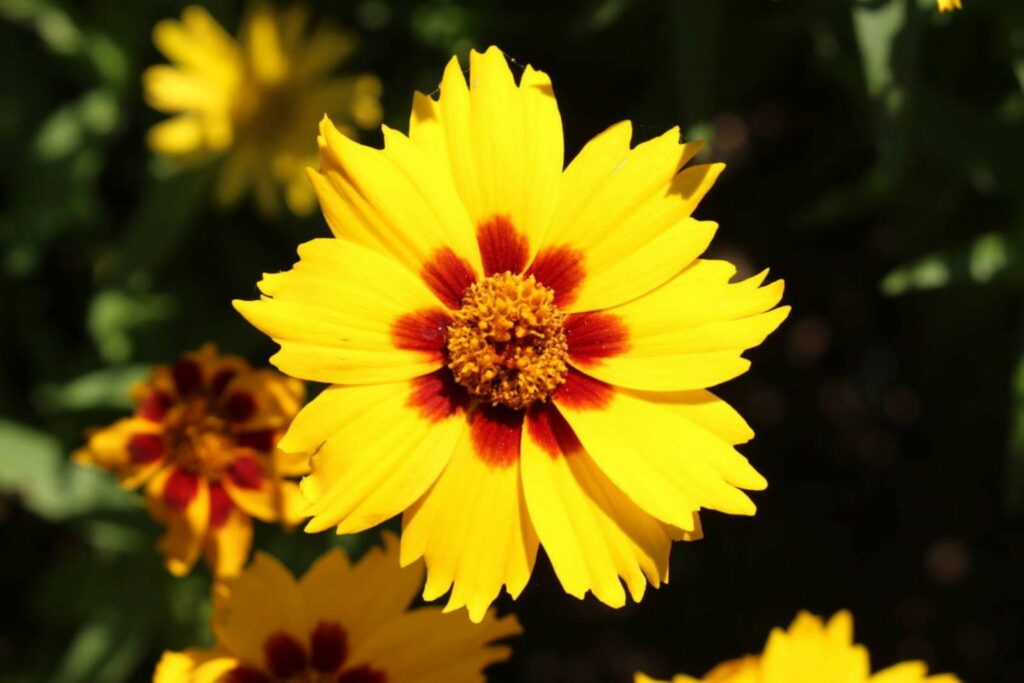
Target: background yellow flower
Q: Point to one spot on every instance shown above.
(811, 651)
(340, 622)
(255, 100)
(202, 442)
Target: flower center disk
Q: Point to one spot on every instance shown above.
(198, 438)
(507, 344)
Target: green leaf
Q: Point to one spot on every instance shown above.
(115, 314)
(108, 388)
(33, 466)
(95, 114)
(990, 258)
(876, 27)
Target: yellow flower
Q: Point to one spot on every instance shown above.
(339, 623)
(812, 651)
(202, 441)
(257, 100)
(474, 288)
(949, 5)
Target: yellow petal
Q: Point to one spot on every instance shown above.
(591, 531)
(199, 43)
(193, 666)
(502, 141)
(186, 528)
(323, 50)
(428, 646)
(911, 672)
(374, 591)
(810, 652)
(667, 465)
(172, 90)
(710, 412)
(393, 201)
(689, 334)
(742, 670)
(262, 43)
(261, 601)
(176, 136)
(264, 501)
(108, 449)
(627, 212)
(643, 678)
(227, 546)
(341, 315)
(382, 446)
(473, 529)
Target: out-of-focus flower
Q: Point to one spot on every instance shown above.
(949, 5)
(256, 100)
(812, 651)
(519, 354)
(341, 623)
(202, 442)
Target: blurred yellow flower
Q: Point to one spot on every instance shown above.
(812, 651)
(202, 441)
(519, 353)
(256, 100)
(341, 623)
(949, 5)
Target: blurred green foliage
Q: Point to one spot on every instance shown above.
(875, 152)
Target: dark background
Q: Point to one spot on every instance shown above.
(874, 153)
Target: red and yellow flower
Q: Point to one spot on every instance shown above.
(341, 623)
(519, 354)
(202, 442)
(811, 651)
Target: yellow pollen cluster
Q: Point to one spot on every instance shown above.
(507, 344)
(198, 439)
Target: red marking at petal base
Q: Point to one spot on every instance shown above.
(550, 431)
(329, 646)
(285, 655)
(240, 406)
(154, 406)
(561, 269)
(145, 448)
(448, 275)
(220, 506)
(596, 335)
(180, 488)
(246, 674)
(362, 674)
(502, 248)
(188, 378)
(220, 381)
(581, 391)
(424, 331)
(497, 432)
(437, 396)
(260, 439)
(246, 473)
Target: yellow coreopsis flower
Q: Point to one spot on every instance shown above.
(256, 100)
(339, 623)
(202, 442)
(519, 354)
(812, 651)
(949, 5)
